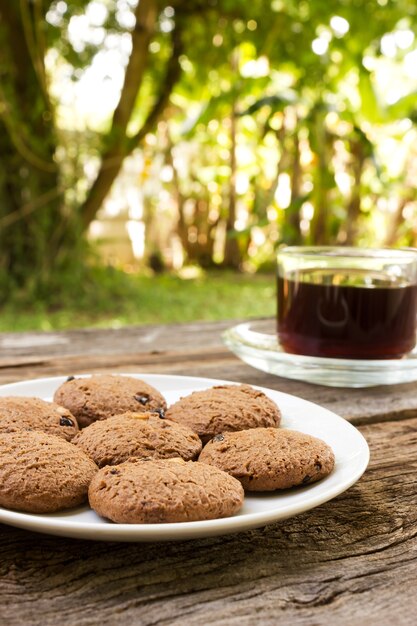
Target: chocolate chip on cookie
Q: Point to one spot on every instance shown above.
(103, 395)
(21, 413)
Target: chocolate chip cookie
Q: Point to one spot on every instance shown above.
(137, 435)
(41, 473)
(266, 459)
(20, 413)
(161, 491)
(103, 395)
(225, 408)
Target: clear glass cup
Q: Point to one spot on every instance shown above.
(345, 302)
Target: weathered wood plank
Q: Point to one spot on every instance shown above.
(374, 404)
(131, 339)
(194, 349)
(352, 560)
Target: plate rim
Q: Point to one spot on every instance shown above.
(106, 531)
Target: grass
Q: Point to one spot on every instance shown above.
(115, 299)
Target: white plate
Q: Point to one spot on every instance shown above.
(350, 448)
(257, 344)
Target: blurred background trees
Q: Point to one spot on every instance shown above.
(206, 132)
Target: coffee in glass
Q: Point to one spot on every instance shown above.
(347, 302)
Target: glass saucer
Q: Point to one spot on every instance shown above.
(256, 343)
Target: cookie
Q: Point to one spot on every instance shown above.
(225, 408)
(137, 435)
(104, 395)
(266, 459)
(161, 491)
(41, 473)
(19, 413)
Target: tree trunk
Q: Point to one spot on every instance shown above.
(29, 178)
(289, 161)
(354, 205)
(232, 254)
(397, 221)
(292, 213)
(322, 178)
(117, 145)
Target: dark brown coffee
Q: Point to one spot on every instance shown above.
(355, 315)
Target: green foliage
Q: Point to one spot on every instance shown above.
(274, 132)
(109, 297)
(317, 96)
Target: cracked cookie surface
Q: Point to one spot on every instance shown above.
(103, 395)
(163, 491)
(24, 413)
(225, 408)
(137, 435)
(41, 473)
(267, 459)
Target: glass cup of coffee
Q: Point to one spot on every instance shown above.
(345, 302)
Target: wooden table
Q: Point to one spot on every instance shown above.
(350, 561)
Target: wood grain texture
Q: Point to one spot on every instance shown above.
(352, 560)
(188, 349)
